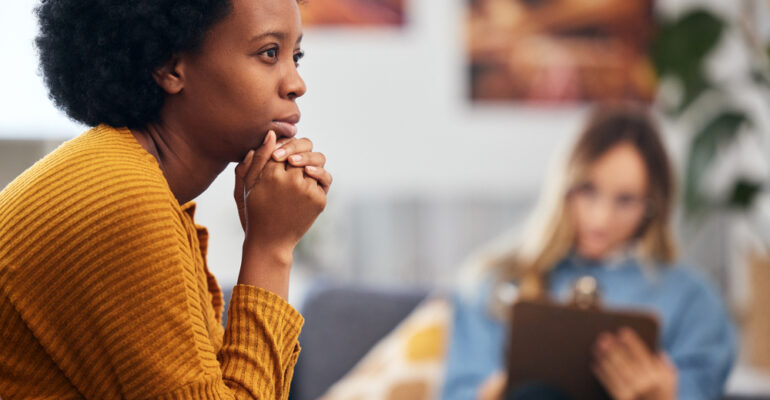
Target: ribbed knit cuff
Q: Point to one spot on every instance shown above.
(274, 313)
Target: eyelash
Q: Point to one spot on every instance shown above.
(297, 56)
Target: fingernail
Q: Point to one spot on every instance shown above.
(279, 153)
(295, 158)
(267, 137)
(311, 168)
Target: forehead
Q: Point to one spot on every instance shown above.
(620, 169)
(253, 17)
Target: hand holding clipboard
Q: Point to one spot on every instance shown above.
(552, 344)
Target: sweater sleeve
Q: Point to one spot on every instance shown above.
(112, 295)
(259, 350)
(703, 345)
(261, 340)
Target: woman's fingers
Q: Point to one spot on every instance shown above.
(243, 166)
(636, 348)
(665, 360)
(599, 370)
(304, 159)
(610, 352)
(629, 369)
(292, 146)
(238, 191)
(610, 379)
(322, 176)
(298, 153)
(240, 175)
(282, 141)
(261, 157)
(642, 362)
(493, 387)
(304, 182)
(665, 371)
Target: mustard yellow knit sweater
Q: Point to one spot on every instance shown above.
(105, 292)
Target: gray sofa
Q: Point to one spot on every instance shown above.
(341, 325)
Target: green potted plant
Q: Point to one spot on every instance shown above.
(715, 86)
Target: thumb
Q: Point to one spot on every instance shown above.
(238, 192)
(243, 167)
(261, 156)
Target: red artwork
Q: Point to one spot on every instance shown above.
(555, 51)
(353, 12)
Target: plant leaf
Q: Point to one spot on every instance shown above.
(744, 194)
(681, 46)
(720, 130)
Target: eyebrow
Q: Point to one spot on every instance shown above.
(276, 34)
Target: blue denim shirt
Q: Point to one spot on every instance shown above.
(696, 331)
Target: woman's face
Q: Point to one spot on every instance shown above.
(610, 205)
(243, 81)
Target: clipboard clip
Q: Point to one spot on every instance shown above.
(586, 293)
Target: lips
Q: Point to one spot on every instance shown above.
(286, 127)
(596, 235)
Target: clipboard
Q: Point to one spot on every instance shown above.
(552, 344)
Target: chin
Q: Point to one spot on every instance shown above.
(593, 252)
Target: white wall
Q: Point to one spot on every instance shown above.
(25, 111)
(390, 109)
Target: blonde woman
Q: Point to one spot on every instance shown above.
(607, 215)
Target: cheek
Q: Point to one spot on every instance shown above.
(627, 229)
(249, 82)
(234, 100)
(579, 215)
(255, 95)
(207, 95)
(250, 104)
(233, 92)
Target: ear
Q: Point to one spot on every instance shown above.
(170, 76)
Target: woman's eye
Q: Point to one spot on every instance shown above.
(298, 56)
(587, 189)
(270, 53)
(626, 200)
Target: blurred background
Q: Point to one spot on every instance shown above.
(440, 117)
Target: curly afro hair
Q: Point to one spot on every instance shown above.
(97, 56)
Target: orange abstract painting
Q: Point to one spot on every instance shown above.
(557, 51)
(353, 12)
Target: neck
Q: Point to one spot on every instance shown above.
(187, 169)
(617, 255)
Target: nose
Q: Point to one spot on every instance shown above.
(600, 213)
(293, 85)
